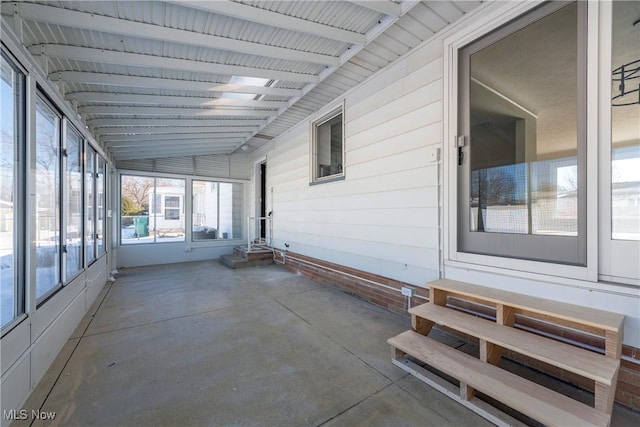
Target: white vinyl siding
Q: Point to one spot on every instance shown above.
(384, 217)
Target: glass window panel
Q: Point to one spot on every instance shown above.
(73, 204)
(328, 148)
(217, 210)
(100, 204)
(205, 210)
(136, 226)
(11, 121)
(523, 126)
(519, 111)
(47, 197)
(625, 123)
(90, 231)
(230, 210)
(170, 223)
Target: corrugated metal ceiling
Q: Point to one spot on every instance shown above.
(132, 67)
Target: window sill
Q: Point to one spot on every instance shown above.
(332, 178)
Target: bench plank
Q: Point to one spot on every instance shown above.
(599, 319)
(531, 399)
(574, 359)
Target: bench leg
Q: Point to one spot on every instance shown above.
(613, 344)
(421, 325)
(489, 352)
(437, 296)
(605, 395)
(466, 391)
(397, 353)
(505, 315)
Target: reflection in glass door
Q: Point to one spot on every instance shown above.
(521, 165)
(620, 158)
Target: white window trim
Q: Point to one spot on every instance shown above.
(490, 17)
(313, 125)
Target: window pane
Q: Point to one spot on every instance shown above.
(522, 109)
(47, 177)
(90, 232)
(73, 203)
(11, 119)
(169, 221)
(217, 210)
(205, 210)
(523, 128)
(328, 149)
(136, 193)
(625, 123)
(230, 210)
(100, 202)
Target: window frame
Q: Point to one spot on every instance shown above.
(218, 232)
(90, 205)
(19, 178)
(44, 98)
(100, 214)
(156, 209)
(570, 250)
(66, 128)
(313, 154)
(486, 20)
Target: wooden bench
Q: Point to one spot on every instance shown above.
(484, 375)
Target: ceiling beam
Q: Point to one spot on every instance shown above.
(120, 98)
(160, 131)
(152, 61)
(110, 110)
(174, 136)
(346, 56)
(166, 145)
(381, 6)
(193, 143)
(178, 152)
(161, 123)
(159, 83)
(274, 19)
(93, 22)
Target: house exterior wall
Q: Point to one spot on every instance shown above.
(30, 348)
(383, 217)
(385, 220)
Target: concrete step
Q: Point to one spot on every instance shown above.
(257, 253)
(238, 261)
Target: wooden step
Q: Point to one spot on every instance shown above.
(579, 361)
(597, 319)
(538, 402)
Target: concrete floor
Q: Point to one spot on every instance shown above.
(198, 344)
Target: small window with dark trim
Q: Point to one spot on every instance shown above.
(328, 147)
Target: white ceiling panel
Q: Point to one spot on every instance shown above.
(166, 79)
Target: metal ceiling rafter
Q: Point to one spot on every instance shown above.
(177, 136)
(147, 153)
(160, 131)
(152, 61)
(385, 7)
(371, 35)
(160, 83)
(106, 24)
(274, 19)
(197, 143)
(161, 122)
(168, 145)
(122, 98)
(128, 111)
(139, 154)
